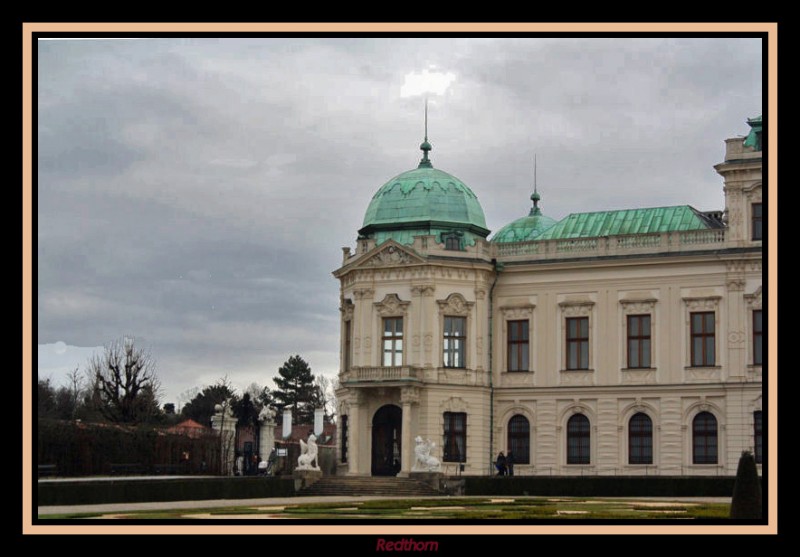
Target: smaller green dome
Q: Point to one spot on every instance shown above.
(526, 228)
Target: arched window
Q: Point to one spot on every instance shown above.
(578, 440)
(704, 439)
(519, 439)
(640, 439)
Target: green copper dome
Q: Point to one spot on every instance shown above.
(424, 201)
(525, 228)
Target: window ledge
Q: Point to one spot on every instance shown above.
(577, 371)
(703, 367)
(517, 371)
(755, 367)
(639, 369)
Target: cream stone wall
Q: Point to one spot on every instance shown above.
(667, 276)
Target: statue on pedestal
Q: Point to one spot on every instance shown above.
(308, 454)
(425, 462)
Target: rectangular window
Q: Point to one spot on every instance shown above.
(393, 341)
(348, 343)
(518, 345)
(638, 341)
(703, 347)
(577, 343)
(344, 438)
(757, 435)
(756, 221)
(455, 437)
(757, 337)
(455, 339)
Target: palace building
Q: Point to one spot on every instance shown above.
(623, 342)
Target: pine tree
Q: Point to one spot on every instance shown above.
(296, 389)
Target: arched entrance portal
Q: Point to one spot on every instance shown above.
(386, 425)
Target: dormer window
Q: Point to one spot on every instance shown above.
(452, 241)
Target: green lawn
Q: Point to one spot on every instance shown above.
(485, 508)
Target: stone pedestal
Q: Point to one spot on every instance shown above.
(224, 424)
(305, 478)
(433, 479)
(266, 439)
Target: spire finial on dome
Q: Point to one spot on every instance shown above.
(425, 147)
(535, 197)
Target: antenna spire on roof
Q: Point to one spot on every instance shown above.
(535, 197)
(425, 147)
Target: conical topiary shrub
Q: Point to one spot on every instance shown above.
(746, 502)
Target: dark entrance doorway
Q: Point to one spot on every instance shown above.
(386, 431)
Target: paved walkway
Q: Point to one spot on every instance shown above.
(284, 501)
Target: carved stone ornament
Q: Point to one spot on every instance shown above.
(423, 289)
(455, 304)
(736, 284)
(392, 305)
(709, 303)
(453, 404)
(347, 310)
(519, 312)
(391, 255)
(753, 300)
(573, 377)
(409, 395)
(633, 307)
(736, 337)
(363, 293)
(576, 309)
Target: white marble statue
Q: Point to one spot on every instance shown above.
(425, 462)
(308, 454)
(267, 414)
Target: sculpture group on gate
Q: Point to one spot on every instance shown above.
(308, 454)
(425, 462)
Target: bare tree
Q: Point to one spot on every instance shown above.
(326, 388)
(125, 387)
(75, 385)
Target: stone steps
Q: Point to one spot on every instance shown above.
(358, 485)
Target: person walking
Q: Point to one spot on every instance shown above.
(510, 463)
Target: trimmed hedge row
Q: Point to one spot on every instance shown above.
(85, 449)
(179, 489)
(602, 486)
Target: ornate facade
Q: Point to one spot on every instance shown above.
(623, 342)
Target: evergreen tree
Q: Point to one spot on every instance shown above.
(201, 407)
(295, 388)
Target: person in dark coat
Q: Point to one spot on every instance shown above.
(500, 464)
(510, 463)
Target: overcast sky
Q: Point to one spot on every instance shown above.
(195, 193)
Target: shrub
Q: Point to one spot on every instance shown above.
(746, 502)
